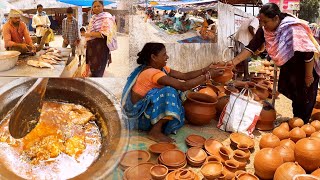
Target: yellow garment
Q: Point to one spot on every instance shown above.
(50, 37)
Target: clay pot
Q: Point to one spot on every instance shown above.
(241, 158)
(266, 163)
(316, 134)
(158, 148)
(208, 91)
(286, 153)
(267, 117)
(246, 176)
(261, 92)
(211, 170)
(227, 75)
(222, 102)
(135, 171)
(316, 124)
(213, 158)
(199, 108)
(158, 171)
(304, 177)
(269, 141)
(244, 140)
(231, 166)
(266, 63)
(296, 134)
(212, 146)
(285, 125)
(281, 133)
(308, 129)
(194, 140)
(196, 156)
(224, 154)
(295, 122)
(133, 158)
(244, 148)
(316, 172)
(307, 154)
(173, 158)
(288, 170)
(289, 143)
(182, 174)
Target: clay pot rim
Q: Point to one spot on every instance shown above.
(304, 175)
(196, 176)
(183, 157)
(161, 144)
(215, 100)
(206, 145)
(247, 173)
(242, 138)
(213, 156)
(159, 175)
(208, 164)
(134, 151)
(200, 150)
(197, 136)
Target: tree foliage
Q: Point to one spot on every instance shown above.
(309, 10)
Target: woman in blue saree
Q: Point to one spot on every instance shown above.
(151, 98)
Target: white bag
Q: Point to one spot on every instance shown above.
(240, 114)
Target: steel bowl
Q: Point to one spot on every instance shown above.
(8, 59)
(112, 125)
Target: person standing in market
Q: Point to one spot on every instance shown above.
(16, 35)
(70, 31)
(41, 23)
(290, 44)
(101, 39)
(242, 38)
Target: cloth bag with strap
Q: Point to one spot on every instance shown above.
(241, 113)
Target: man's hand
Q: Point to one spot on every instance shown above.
(24, 47)
(308, 80)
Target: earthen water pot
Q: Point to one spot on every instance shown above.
(158, 172)
(316, 124)
(222, 102)
(286, 153)
(209, 91)
(266, 163)
(261, 91)
(289, 143)
(285, 125)
(316, 134)
(308, 129)
(269, 140)
(246, 176)
(304, 177)
(267, 117)
(211, 170)
(241, 158)
(316, 172)
(231, 166)
(288, 170)
(212, 146)
(199, 108)
(295, 122)
(281, 133)
(307, 154)
(226, 76)
(296, 134)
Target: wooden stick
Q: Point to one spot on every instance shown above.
(275, 83)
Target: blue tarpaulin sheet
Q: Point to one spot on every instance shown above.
(84, 2)
(166, 7)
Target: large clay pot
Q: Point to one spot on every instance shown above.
(199, 108)
(296, 134)
(295, 122)
(227, 75)
(308, 129)
(269, 140)
(289, 143)
(288, 170)
(222, 102)
(281, 133)
(286, 153)
(316, 173)
(261, 91)
(316, 134)
(316, 124)
(266, 163)
(307, 154)
(208, 91)
(267, 116)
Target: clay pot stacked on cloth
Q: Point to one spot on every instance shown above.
(196, 156)
(182, 174)
(194, 140)
(199, 108)
(267, 117)
(133, 158)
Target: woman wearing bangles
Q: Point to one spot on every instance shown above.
(290, 44)
(151, 97)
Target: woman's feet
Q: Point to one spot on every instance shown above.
(156, 134)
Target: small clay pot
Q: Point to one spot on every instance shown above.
(296, 134)
(281, 133)
(286, 153)
(267, 117)
(288, 170)
(295, 122)
(196, 154)
(231, 166)
(173, 157)
(304, 177)
(269, 140)
(222, 102)
(289, 143)
(316, 124)
(239, 138)
(316, 172)
(211, 170)
(285, 125)
(266, 163)
(308, 129)
(244, 148)
(158, 171)
(213, 158)
(224, 154)
(212, 146)
(195, 140)
(158, 148)
(307, 154)
(241, 158)
(226, 76)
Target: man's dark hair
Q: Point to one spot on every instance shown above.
(69, 10)
(82, 29)
(39, 5)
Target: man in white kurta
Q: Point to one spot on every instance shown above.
(41, 23)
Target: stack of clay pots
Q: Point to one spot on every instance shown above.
(173, 159)
(196, 156)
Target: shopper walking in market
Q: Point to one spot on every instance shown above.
(292, 47)
(101, 39)
(70, 31)
(151, 97)
(41, 23)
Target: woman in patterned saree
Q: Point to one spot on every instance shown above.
(100, 33)
(151, 97)
(292, 47)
